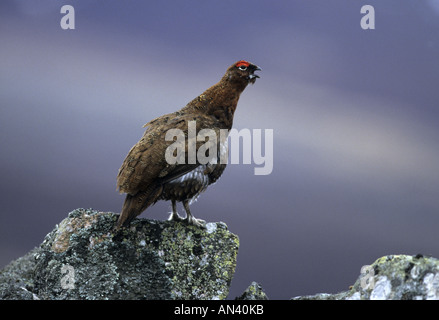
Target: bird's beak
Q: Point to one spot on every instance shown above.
(256, 69)
(252, 77)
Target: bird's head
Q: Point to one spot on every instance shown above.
(243, 70)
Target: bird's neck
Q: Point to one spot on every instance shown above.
(219, 101)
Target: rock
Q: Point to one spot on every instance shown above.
(392, 277)
(16, 279)
(253, 292)
(82, 258)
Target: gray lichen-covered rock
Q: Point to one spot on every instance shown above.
(82, 258)
(253, 292)
(16, 279)
(393, 277)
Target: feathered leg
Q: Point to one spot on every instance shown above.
(174, 215)
(190, 218)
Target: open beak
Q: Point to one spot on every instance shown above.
(252, 77)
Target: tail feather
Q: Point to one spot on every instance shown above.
(135, 205)
(129, 211)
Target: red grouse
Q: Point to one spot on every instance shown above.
(146, 176)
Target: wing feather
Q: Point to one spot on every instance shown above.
(146, 164)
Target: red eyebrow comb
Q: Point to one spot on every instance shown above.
(242, 63)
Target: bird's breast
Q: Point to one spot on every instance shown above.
(188, 186)
(191, 184)
(196, 176)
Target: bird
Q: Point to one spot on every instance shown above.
(147, 177)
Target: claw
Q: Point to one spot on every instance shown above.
(196, 222)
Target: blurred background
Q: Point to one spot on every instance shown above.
(354, 112)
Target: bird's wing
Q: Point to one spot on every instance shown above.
(146, 163)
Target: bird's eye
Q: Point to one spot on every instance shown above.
(242, 68)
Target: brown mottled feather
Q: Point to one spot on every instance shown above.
(145, 175)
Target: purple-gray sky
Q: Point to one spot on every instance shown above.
(354, 112)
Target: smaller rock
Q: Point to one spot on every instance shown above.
(392, 277)
(253, 292)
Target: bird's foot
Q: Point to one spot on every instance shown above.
(175, 217)
(196, 222)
